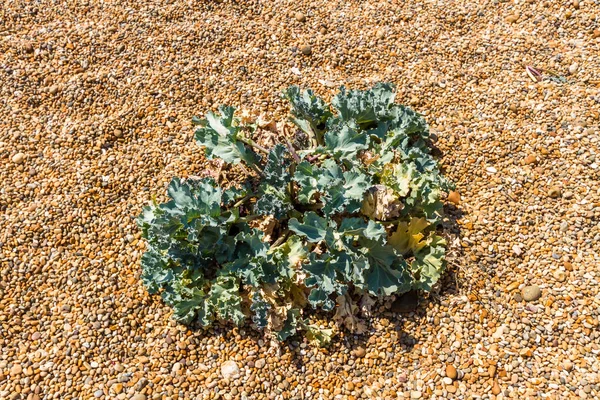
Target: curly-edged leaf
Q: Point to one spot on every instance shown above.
(387, 273)
(399, 177)
(365, 107)
(381, 203)
(226, 300)
(196, 308)
(155, 271)
(273, 201)
(307, 176)
(318, 336)
(408, 237)
(428, 265)
(233, 194)
(251, 261)
(322, 276)
(274, 195)
(358, 227)
(202, 197)
(406, 120)
(260, 308)
(310, 112)
(344, 141)
(290, 325)
(219, 135)
(313, 227)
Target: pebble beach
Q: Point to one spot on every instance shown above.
(96, 101)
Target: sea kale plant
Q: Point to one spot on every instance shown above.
(342, 213)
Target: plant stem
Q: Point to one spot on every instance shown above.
(252, 144)
(254, 168)
(248, 218)
(292, 151)
(242, 200)
(280, 239)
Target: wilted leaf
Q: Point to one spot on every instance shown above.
(381, 203)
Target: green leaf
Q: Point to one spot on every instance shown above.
(428, 265)
(218, 134)
(290, 325)
(365, 107)
(274, 195)
(260, 307)
(387, 273)
(322, 277)
(313, 228)
(226, 300)
(307, 177)
(310, 112)
(344, 141)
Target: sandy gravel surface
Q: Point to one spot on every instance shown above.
(96, 99)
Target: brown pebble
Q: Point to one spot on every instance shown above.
(568, 266)
(300, 17)
(596, 33)
(53, 90)
(454, 197)
(496, 388)
(323, 30)
(118, 133)
(554, 192)
(306, 50)
(28, 48)
(451, 371)
(512, 18)
(360, 352)
(530, 159)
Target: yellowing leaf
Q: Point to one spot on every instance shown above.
(408, 238)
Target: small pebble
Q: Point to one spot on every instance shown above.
(573, 68)
(531, 293)
(512, 18)
(554, 192)
(451, 371)
(306, 50)
(454, 197)
(229, 369)
(300, 17)
(18, 158)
